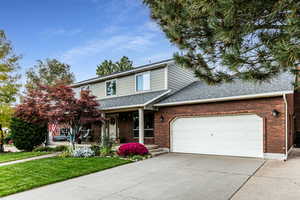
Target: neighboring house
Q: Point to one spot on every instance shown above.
(164, 104)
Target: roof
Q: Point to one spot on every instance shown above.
(130, 101)
(124, 73)
(200, 91)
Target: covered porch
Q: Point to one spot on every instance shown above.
(124, 126)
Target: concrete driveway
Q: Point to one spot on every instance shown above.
(276, 180)
(170, 176)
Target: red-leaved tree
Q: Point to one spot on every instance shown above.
(58, 105)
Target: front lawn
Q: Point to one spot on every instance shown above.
(24, 176)
(6, 157)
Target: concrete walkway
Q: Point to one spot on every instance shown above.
(28, 159)
(276, 180)
(166, 177)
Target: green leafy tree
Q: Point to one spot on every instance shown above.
(49, 72)
(8, 67)
(6, 113)
(225, 39)
(107, 67)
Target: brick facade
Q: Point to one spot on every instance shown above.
(274, 127)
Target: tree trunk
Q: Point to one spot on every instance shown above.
(1, 148)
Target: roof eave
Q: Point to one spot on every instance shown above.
(133, 71)
(241, 97)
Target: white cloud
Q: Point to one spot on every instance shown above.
(152, 26)
(62, 32)
(114, 43)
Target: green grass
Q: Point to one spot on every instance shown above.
(6, 157)
(24, 176)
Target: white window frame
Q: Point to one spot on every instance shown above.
(106, 88)
(135, 82)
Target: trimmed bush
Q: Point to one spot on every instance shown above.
(42, 149)
(27, 136)
(131, 149)
(52, 149)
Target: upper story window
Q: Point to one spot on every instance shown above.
(142, 82)
(110, 87)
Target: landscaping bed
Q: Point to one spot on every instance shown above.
(12, 156)
(24, 176)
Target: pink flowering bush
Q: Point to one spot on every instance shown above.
(131, 149)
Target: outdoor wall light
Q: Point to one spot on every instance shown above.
(275, 113)
(161, 119)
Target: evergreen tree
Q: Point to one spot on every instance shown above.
(226, 39)
(107, 67)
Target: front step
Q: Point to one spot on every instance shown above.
(158, 151)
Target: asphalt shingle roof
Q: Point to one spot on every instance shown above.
(199, 90)
(130, 100)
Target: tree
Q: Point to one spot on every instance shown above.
(225, 39)
(6, 113)
(26, 136)
(49, 72)
(107, 67)
(8, 67)
(57, 105)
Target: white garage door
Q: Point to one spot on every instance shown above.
(240, 135)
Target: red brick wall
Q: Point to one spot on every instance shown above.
(274, 127)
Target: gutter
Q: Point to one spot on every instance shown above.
(286, 126)
(135, 70)
(251, 96)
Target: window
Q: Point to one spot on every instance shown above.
(110, 87)
(148, 124)
(142, 82)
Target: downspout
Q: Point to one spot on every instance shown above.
(286, 126)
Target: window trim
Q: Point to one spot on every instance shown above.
(105, 87)
(135, 82)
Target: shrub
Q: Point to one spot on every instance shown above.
(65, 154)
(7, 139)
(61, 148)
(25, 135)
(83, 152)
(52, 149)
(42, 149)
(96, 149)
(131, 149)
(106, 151)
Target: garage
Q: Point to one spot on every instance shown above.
(238, 135)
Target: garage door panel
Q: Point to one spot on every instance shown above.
(222, 135)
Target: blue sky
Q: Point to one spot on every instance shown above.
(83, 33)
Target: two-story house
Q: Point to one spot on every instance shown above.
(164, 104)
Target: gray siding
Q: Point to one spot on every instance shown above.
(126, 84)
(179, 77)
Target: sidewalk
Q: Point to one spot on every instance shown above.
(28, 159)
(276, 180)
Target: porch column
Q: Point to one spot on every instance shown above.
(50, 137)
(103, 128)
(141, 125)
